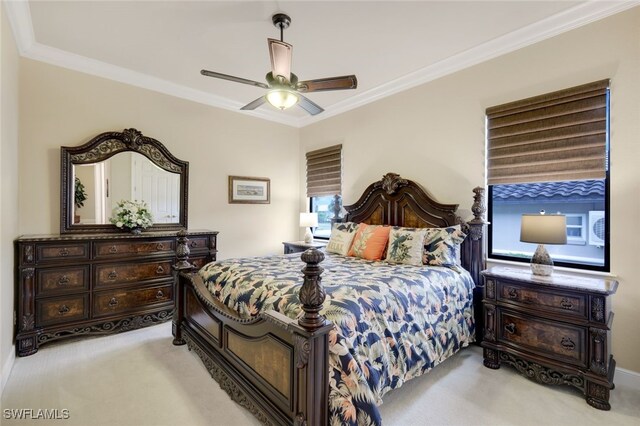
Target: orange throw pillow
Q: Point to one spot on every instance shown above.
(370, 241)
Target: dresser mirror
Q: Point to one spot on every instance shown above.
(117, 166)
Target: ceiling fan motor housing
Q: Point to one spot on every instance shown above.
(281, 21)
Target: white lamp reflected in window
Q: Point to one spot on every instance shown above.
(543, 229)
(282, 98)
(308, 220)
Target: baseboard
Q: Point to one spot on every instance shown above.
(627, 378)
(6, 369)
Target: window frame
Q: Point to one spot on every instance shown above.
(604, 268)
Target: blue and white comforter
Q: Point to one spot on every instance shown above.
(391, 322)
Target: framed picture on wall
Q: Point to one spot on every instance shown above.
(249, 190)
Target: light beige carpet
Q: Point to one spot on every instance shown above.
(139, 378)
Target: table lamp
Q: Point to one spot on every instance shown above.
(543, 229)
(308, 220)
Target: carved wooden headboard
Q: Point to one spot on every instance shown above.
(396, 201)
(400, 202)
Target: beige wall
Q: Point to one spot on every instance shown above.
(63, 107)
(9, 195)
(434, 134)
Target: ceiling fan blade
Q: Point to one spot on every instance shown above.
(280, 53)
(326, 84)
(255, 104)
(309, 106)
(234, 79)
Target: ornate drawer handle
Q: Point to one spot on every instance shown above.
(112, 275)
(159, 269)
(113, 302)
(63, 309)
(566, 304)
(568, 344)
(160, 246)
(64, 252)
(113, 249)
(194, 243)
(159, 294)
(64, 280)
(510, 328)
(512, 293)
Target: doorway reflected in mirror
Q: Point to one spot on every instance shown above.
(126, 176)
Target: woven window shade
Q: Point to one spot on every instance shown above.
(324, 171)
(557, 136)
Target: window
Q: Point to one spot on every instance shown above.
(576, 227)
(324, 183)
(550, 153)
(324, 207)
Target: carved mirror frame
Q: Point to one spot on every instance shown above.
(104, 146)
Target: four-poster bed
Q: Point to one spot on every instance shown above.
(278, 367)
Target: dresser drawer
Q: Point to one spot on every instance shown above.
(54, 281)
(553, 339)
(106, 249)
(198, 243)
(61, 252)
(60, 310)
(107, 303)
(125, 273)
(199, 262)
(564, 303)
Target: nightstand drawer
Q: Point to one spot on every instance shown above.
(553, 339)
(564, 303)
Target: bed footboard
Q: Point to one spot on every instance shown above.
(274, 366)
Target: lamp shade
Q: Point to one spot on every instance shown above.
(543, 228)
(308, 220)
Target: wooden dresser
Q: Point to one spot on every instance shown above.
(70, 285)
(556, 330)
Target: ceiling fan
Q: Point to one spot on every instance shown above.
(284, 88)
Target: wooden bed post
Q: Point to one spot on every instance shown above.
(312, 293)
(477, 262)
(476, 231)
(182, 265)
(312, 346)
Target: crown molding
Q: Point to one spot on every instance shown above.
(19, 17)
(567, 20)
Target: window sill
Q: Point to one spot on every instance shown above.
(574, 271)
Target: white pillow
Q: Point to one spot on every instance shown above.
(340, 241)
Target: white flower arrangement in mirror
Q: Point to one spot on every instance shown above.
(134, 215)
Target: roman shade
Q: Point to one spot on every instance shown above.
(324, 171)
(553, 137)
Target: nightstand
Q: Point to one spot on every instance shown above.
(300, 246)
(555, 330)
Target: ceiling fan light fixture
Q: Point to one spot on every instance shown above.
(282, 98)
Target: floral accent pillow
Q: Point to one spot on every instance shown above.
(406, 245)
(370, 241)
(345, 226)
(341, 237)
(442, 246)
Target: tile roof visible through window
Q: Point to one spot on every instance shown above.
(584, 190)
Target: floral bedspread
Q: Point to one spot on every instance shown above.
(392, 322)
